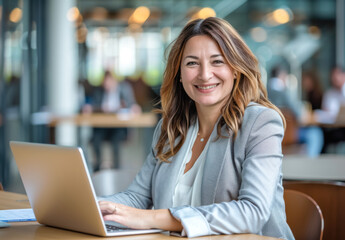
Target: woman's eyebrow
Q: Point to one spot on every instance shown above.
(212, 56)
(191, 56)
(216, 55)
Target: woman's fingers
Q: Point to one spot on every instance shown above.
(108, 207)
(128, 216)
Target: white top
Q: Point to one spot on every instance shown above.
(188, 185)
(333, 99)
(111, 101)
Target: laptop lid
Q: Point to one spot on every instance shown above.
(59, 188)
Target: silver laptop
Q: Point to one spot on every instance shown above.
(60, 191)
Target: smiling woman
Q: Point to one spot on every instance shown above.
(205, 75)
(215, 164)
(177, 104)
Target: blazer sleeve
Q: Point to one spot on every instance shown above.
(261, 168)
(139, 193)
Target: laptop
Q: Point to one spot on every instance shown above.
(60, 191)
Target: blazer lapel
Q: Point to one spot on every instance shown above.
(215, 159)
(170, 172)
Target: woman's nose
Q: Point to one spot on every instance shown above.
(205, 72)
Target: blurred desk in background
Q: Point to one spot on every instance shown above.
(326, 167)
(323, 125)
(108, 120)
(103, 120)
(142, 124)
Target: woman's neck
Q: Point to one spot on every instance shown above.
(207, 120)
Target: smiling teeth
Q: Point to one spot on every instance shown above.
(207, 87)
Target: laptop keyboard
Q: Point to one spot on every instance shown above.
(112, 228)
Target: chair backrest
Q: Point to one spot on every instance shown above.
(291, 131)
(303, 215)
(330, 196)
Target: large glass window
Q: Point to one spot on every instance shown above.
(129, 38)
(21, 81)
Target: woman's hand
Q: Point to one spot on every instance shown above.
(127, 216)
(139, 218)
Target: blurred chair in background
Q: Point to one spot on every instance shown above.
(330, 196)
(145, 96)
(291, 131)
(303, 216)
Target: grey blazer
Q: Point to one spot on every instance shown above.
(241, 188)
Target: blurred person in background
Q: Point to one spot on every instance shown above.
(112, 97)
(144, 94)
(279, 94)
(12, 94)
(312, 89)
(215, 162)
(333, 99)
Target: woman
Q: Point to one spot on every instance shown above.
(215, 165)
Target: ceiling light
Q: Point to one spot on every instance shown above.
(15, 15)
(140, 15)
(73, 14)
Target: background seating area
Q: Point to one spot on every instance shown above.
(330, 196)
(303, 216)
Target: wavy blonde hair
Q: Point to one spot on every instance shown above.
(178, 110)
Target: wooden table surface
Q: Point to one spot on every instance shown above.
(36, 231)
(108, 120)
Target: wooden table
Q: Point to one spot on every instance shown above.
(108, 120)
(36, 231)
(102, 120)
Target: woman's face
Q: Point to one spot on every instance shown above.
(205, 75)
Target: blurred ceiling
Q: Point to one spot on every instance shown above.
(162, 13)
(177, 12)
(297, 41)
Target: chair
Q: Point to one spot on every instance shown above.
(1, 187)
(291, 131)
(303, 216)
(290, 144)
(330, 196)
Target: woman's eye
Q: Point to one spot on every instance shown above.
(218, 62)
(191, 63)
